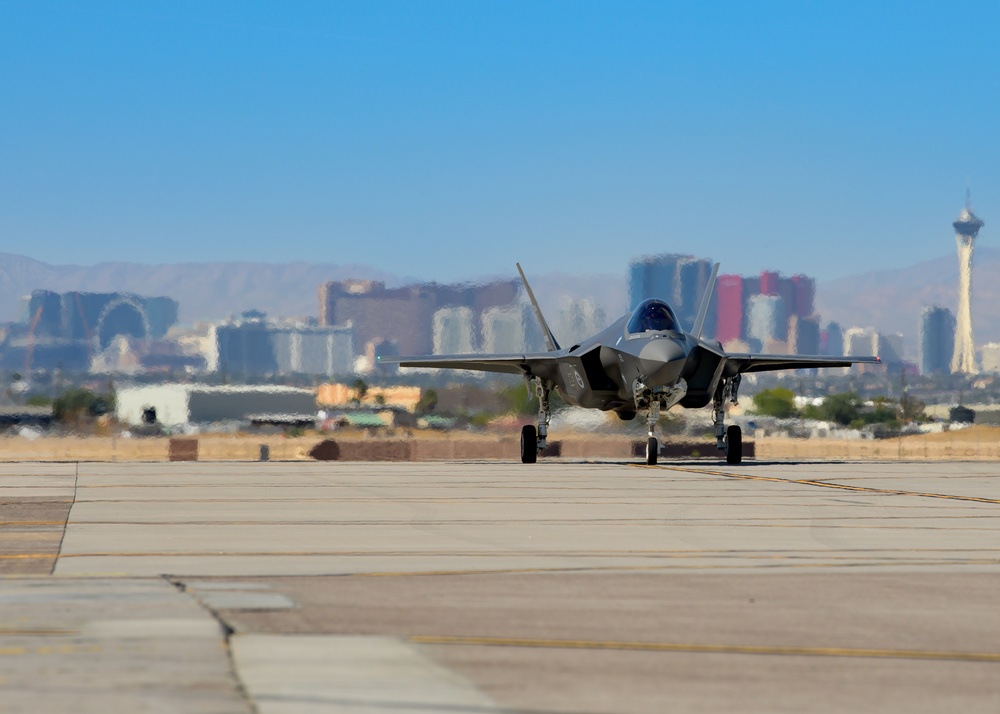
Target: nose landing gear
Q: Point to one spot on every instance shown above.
(652, 444)
(657, 399)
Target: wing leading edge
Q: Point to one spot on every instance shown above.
(746, 362)
(507, 364)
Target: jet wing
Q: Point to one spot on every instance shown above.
(539, 363)
(746, 362)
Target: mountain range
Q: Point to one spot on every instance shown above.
(890, 300)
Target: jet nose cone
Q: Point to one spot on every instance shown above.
(662, 361)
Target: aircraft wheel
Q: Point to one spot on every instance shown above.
(652, 450)
(734, 444)
(529, 444)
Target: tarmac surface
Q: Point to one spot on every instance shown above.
(494, 587)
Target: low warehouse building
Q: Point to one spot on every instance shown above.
(174, 405)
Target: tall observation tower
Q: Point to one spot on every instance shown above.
(966, 229)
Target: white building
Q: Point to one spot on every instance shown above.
(454, 330)
(180, 404)
(314, 350)
(265, 347)
(991, 357)
(766, 320)
(866, 341)
(579, 320)
(508, 329)
(860, 341)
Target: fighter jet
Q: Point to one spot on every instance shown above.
(643, 362)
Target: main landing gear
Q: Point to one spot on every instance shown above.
(532, 440)
(729, 441)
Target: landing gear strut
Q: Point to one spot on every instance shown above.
(728, 441)
(532, 440)
(657, 400)
(652, 444)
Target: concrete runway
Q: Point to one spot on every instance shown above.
(494, 587)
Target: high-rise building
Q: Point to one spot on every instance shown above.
(729, 308)
(453, 331)
(966, 230)
(803, 335)
(786, 291)
(769, 281)
(256, 346)
(991, 357)
(66, 331)
(402, 319)
(937, 340)
(766, 319)
(510, 328)
(692, 280)
(98, 318)
(866, 341)
(578, 320)
(834, 339)
(804, 290)
(652, 276)
(890, 349)
(859, 341)
(679, 279)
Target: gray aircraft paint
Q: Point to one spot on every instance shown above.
(623, 372)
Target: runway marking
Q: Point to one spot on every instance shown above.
(50, 649)
(27, 556)
(853, 554)
(805, 523)
(599, 569)
(35, 632)
(687, 647)
(840, 486)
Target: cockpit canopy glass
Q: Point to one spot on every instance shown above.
(652, 316)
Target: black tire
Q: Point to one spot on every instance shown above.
(734, 445)
(529, 444)
(652, 451)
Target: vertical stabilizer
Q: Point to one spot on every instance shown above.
(706, 299)
(550, 341)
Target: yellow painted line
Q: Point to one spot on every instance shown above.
(852, 554)
(27, 556)
(668, 568)
(35, 632)
(47, 650)
(840, 486)
(717, 561)
(689, 647)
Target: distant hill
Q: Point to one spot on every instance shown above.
(212, 291)
(204, 290)
(892, 300)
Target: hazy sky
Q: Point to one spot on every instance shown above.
(446, 140)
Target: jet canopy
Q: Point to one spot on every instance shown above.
(652, 316)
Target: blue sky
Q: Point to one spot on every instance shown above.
(446, 140)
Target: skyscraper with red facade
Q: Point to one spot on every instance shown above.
(729, 305)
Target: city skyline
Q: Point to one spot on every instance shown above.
(248, 286)
(361, 320)
(811, 138)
